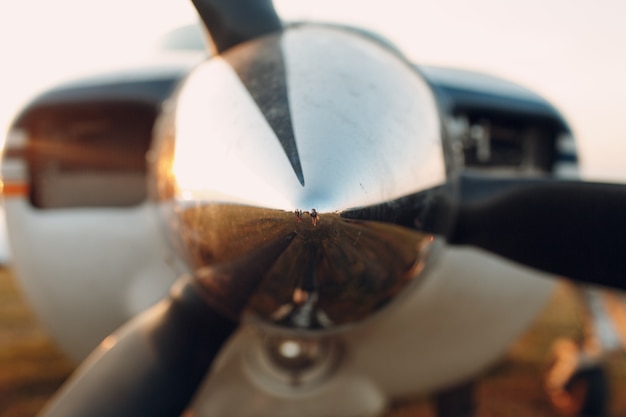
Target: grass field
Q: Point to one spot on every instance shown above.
(31, 368)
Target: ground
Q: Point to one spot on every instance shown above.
(32, 368)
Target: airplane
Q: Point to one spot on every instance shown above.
(379, 296)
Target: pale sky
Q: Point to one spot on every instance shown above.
(573, 52)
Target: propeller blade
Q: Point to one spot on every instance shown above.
(569, 228)
(231, 22)
(153, 365)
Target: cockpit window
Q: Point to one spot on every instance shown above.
(88, 155)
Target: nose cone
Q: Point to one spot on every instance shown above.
(271, 157)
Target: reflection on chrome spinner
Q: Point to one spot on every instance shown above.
(316, 232)
(299, 273)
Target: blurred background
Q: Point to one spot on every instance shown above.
(569, 51)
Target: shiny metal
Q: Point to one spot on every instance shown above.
(285, 363)
(326, 246)
(304, 272)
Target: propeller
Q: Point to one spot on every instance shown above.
(232, 22)
(154, 365)
(571, 228)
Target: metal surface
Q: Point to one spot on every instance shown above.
(324, 271)
(308, 236)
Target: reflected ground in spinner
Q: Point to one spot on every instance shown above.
(299, 269)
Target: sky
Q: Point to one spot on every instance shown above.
(572, 52)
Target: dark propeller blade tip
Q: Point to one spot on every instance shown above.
(570, 228)
(153, 366)
(231, 22)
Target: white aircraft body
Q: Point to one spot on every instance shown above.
(90, 255)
